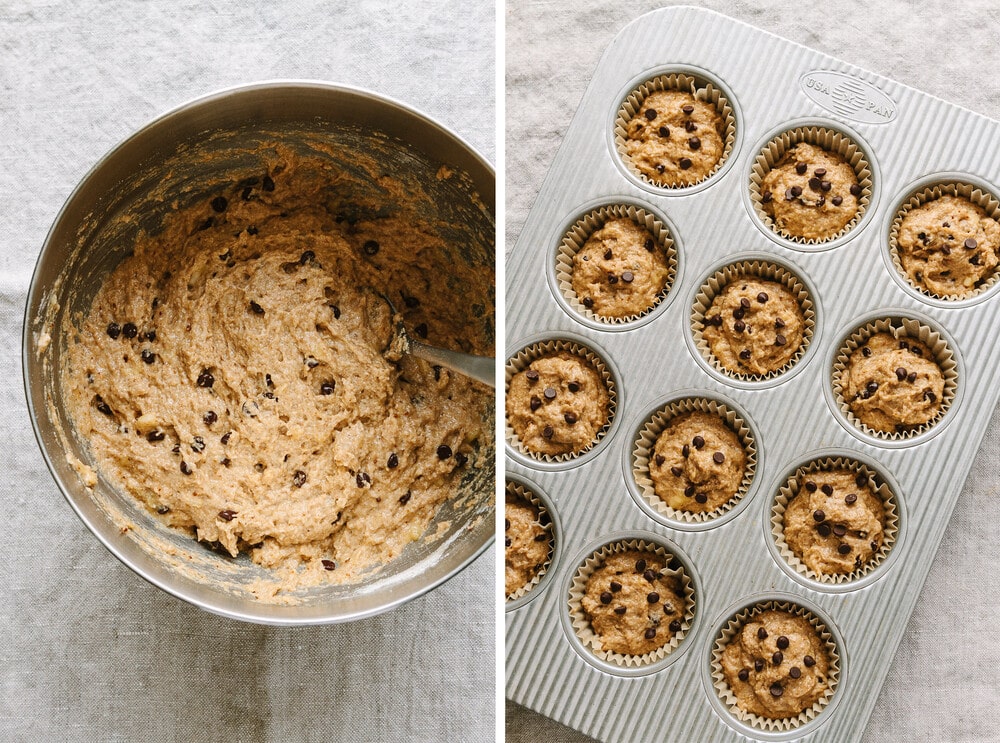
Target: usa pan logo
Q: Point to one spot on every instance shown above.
(848, 96)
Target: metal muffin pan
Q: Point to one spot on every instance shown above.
(911, 139)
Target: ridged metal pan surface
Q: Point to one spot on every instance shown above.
(911, 138)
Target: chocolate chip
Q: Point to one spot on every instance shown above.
(608, 255)
(627, 277)
(155, 435)
(694, 143)
(861, 480)
(808, 661)
(162, 509)
(718, 457)
(148, 356)
(606, 597)
(971, 243)
(844, 549)
(664, 132)
(745, 354)
(814, 184)
(739, 313)
(782, 642)
(371, 247)
(758, 665)
(531, 375)
(114, 330)
(653, 597)
(825, 185)
(393, 462)
(649, 575)
(405, 498)
(548, 432)
(612, 279)
(777, 658)
(714, 320)
(744, 303)
(685, 451)
(823, 529)
(550, 393)
(690, 126)
(570, 417)
(930, 396)
(650, 633)
(685, 163)
(660, 459)
(820, 201)
(444, 451)
(651, 113)
(839, 530)
(766, 197)
(744, 674)
(256, 308)
(762, 297)
(615, 586)
(251, 230)
(974, 260)
(588, 302)
(129, 330)
(810, 486)
(198, 445)
(205, 379)
(327, 388)
(850, 498)
(761, 633)
(778, 323)
(299, 478)
(650, 245)
(219, 204)
(675, 625)
(776, 690)
(688, 109)
(267, 184)
(640, 566)
(739, 326)
(620, 610)
(801, 168)
(866, 352)
(225, 437)
(796, 191)
(827, 489)
(701, 498)
(698, 442)
(535, 403)
(837, 200)
(689, 491)
(794, 672)
(780, 340)
(328, 564)
(186, 468)
(819, 515)
(306, 257)
(227, 515)
(855, 189)
(573, 387)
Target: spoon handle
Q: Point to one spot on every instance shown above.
(480, 368)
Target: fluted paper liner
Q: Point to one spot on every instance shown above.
(702, 91)
(729, 631)
(581, 624)
(756, 269)
(590, 223)
(900, 327)
(642, 450)
(830, 140)
(983, 199)
(519, 491)
(788, 491)
(520, 361)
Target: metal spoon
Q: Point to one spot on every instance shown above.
(479, 368)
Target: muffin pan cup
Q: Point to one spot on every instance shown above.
(524, 490)
(794, 416)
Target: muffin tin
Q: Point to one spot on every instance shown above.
(733, 561)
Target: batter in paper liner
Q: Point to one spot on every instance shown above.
(230, 374)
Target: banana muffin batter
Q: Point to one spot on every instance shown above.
(893, 384)
(697, 463)
(621, 271)
(811, 193)
(230, 373)
(527, 541)
(675, 139)
(776, 665)
(633, 607)
(754, 326)
(558, 404)
(948, 246)
(835, 523)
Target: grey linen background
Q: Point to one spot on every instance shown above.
(90, 652)
(943, 684)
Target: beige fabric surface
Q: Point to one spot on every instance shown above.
(942, 684)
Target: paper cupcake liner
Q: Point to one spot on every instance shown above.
(702, 91)
(788, 491)
(819, 136)
(983, 199)
(581, 624)
(900, 327)
(517, 490)
(590, 223)
(642, 450)
(520, 361)
(756, 269)
(729, 631)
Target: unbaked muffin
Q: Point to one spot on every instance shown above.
(893, 384)
(835, 523)
(558, 404)
(776, 665)
(527, 542)
(811, 193)
(754, 326)
(675, 139)
(697, 463)
(621, 270)
(634, 608)
(948, 246)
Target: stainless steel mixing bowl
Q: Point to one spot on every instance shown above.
(166, 161)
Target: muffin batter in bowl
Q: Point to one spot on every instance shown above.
(230, 372)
